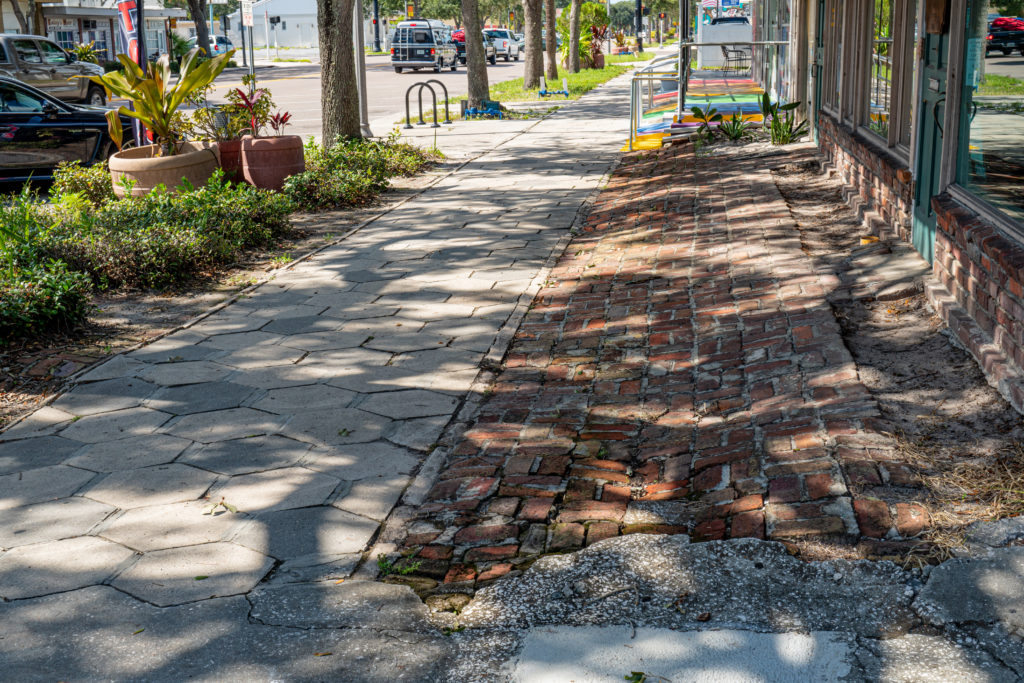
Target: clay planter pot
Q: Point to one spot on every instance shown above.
(266, 162)
(616, 50)
(195, 162)
(231, 159)
(599, 61)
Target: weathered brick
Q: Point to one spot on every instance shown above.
(599, 531)
(435, 552)
(482, 534)
(458, 573)
(872, 516)
(566, 537)
(911, 519)
(748, 525)
(535, 509)
(491, 553)
(495, 571)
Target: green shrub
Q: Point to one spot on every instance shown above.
(36, 294)
(41, 297)
(164, 239)
(351, 172)
(92, 182)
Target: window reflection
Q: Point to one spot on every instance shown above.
(881, 68)
(991, 159)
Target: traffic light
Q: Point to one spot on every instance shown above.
(647, 11)
(662, 15)
(511, 17)
(410, 10)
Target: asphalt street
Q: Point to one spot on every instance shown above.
(296, 89)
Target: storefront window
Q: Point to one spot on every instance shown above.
(881, 67)
(991, 154)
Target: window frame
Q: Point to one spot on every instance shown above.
(902, 93)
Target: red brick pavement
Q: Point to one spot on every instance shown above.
(682, 372)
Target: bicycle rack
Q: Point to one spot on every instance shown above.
(433, 94)
(447, 117)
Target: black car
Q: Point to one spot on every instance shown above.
(490, 52)
(1005, 38)
(38, 132)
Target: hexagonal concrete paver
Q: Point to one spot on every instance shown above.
(361, 460)
(400, 405)
(339, 360)
(41, 484)
(51, 521)
(187, 372)
(373, 498)
(420, 434)
(199, 398)
(337, 426)
(244, 456)
(129, 454)
(446, 359)
(105, 396)
(325, 341)
(261, 356)
(283, 489)
(197, 572)
(58, 566)
(242, 340)
(40, 451)
(157, 485)
(121, 424)
(399, 343)
(321, 531)
(302, 325)
(171, 526)
(224, 425)
(291, 400)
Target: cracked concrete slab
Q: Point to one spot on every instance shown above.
(156, 485)
(34, 570)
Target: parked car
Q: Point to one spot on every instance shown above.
(521, 40)
(490, 54)
(38, 132)
(505, 44)
(218, 44)
(1005, 35)
(42, 64)
(423, 43)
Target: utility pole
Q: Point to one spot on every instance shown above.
(639, 26)
(376, 25)
(358, 39)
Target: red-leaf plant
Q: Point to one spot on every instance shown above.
(279, 120)
(250, 104)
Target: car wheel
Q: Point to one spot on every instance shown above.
(493, 60)
(106, 151)
(516, 58)
(462, 60)
(455, 65)
(398, 69)
(1007, 53)
(437, 67)
(507, 58)
(96, 97)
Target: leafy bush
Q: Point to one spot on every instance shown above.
(163, 239)
(36, 294)
(351, 173)
(92, 182)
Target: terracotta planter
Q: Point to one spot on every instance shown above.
(599, 61)
(231, 159)
(266, 162)
(616, 50)
(195, 162)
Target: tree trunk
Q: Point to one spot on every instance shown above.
(574, 37)
(534, 66)
(476, 64)
(552, 42)
(197, 8)
(339, 93)
(20, 16)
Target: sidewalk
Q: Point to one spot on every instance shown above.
(309, 405)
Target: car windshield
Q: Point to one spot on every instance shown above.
(494, 34)
(15, 101)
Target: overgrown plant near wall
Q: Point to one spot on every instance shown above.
(780, 121)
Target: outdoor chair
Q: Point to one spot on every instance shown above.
(736, 58)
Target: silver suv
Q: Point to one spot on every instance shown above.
(42, 63)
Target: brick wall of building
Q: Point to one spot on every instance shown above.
(881, 181)
(984, 272)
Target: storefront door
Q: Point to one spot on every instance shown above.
(930, 135)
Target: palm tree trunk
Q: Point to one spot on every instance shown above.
(552, 42)
(476, 65)
(574, 36)
(339, 93)
(20, 16)
(197, 8)
(534, 66)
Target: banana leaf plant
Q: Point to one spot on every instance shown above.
(154, 98)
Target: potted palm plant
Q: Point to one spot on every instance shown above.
(170, 161)
(267, 161)
(598, 35)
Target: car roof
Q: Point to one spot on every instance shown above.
(21, 36)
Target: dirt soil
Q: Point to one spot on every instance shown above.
(959, 433)
(33, 371)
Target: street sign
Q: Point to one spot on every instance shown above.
(247, 13)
